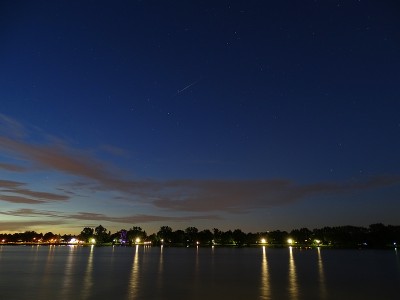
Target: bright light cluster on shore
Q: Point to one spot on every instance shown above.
(75, 241)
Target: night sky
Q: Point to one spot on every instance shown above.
(258, 115)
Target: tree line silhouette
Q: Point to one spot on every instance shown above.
(374, 236)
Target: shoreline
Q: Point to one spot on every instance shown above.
(272, 246)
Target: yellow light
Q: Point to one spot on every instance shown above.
(290, 241)
(317, 241)
(93, 241)
(137, 240)
(263, 241)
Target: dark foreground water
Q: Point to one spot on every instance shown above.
(66, 272)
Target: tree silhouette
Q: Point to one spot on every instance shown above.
(86, 234)
(101, 235)
(191, 235)
(165, 234)
(136, 234)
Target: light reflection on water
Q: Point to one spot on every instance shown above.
(321, 275)
(45, 280)
(67, 285)
(160, 268)
(197, 278)
(54, 272)
(293, 286)
(35, 255)
(134, 281)
(265, 284)
(88, 277)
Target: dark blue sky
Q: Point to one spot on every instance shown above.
(232, 114)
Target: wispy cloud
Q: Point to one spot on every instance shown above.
(28, 212)
(139, 218)
(16, 192)
(20, 199)
(12, 168)
(200, 196)
(10, 184)
(116, 151)
(11, 127)
(238, 196)
(38, 195)
(88, 216)
(22, 226)
(57, 156)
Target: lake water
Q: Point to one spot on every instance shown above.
(71, 272)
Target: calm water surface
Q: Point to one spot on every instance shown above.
(67, 272)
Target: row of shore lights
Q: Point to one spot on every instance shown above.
(137, 241)
(290, 241)
(93, 241)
